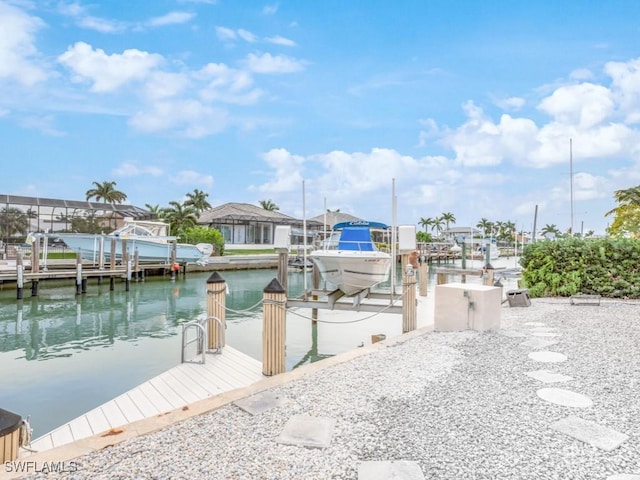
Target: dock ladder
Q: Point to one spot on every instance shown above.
(201, 328)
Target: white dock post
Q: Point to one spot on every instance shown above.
(409, 307)
(274, 328)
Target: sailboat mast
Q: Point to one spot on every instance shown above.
(571, 179)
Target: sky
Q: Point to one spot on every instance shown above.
(384, 110)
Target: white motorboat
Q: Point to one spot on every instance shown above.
(149, 238)
(350, 259)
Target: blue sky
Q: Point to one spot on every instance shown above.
(470, 106)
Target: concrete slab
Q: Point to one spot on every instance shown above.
(547, 357)
(563, 397)
(307, 431)
(545, 334)
(535, 324)
(390, 470)
(542, 329)
(592, 433)
(538, 343)
(261, 402)
(547, 376)
(624, 476)
(512, 333)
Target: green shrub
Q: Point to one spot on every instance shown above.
(607, 267)
(200, 234)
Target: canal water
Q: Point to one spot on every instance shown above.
(62, 355)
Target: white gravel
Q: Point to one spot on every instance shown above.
(459, 404)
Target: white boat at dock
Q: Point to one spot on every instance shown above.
(350, 259)
(149, 238)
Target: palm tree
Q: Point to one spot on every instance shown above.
(269, 205)
(448, 217)
(106, 192)
(13, 221)
(426, 222)
(180, 216)
(198, 200)
(550, 229)
(485, 225)
(438, 224)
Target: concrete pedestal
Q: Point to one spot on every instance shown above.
(463, 306)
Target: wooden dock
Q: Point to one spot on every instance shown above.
(184, 384)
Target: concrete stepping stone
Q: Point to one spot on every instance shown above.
(563, 397)
(547, 376)
(538, 343)
(589, 432)
(261, 402)
(542, 329)
(536, 324)
(545, 334)
(624, 476)
(512, 333)
(307, 431)
(547, 357)
(390, 470)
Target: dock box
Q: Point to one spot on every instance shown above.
(9, 435)
(467, 306)
(519, 298)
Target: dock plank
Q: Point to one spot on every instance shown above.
(177, 387)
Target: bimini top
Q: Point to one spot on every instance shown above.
(360, 223)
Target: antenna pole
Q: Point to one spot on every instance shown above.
(571, 178)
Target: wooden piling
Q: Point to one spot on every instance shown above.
(283, 267)
(409, 303)
(423, 276)
(274, 328)
(488, 275)
(216, 304)
(35, 255)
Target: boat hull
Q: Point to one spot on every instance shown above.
(149, 251)
(352, 271)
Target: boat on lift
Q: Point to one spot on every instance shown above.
(350, 259)
(149, 238)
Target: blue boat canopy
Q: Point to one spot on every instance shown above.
(356, 238)
(360, 223)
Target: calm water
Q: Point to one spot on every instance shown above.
(62, 355)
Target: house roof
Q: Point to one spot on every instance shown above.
(462, 230)
(334, 217)
(245, 212)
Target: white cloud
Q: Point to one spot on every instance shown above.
(192, 178)
(626, 87)
(287, 175)
(132, 170)
(246, 35)
(108, 72)
(171, 18)
(19, 57)
(225, 33)
(85, 20)
(44, 124)
(227, 85)
(270, 9)
(187, 118)
(584, 105)
(267, 63)
(278, 40)
(511, 103)
(161, 85)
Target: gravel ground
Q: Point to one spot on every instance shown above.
(459, 404)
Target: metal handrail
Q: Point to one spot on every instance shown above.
(200, 336)
(221, 335)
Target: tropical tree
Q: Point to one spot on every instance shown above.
(550, 229)
(153, 208)
(438, 225)
(180, 217)
(485, 225)
(626, 220)
(13, 221)
(106, 192)
(198, 200)
(448, 218)
(426, 222)
(269, 205)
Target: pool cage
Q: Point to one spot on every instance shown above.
(20, 215)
